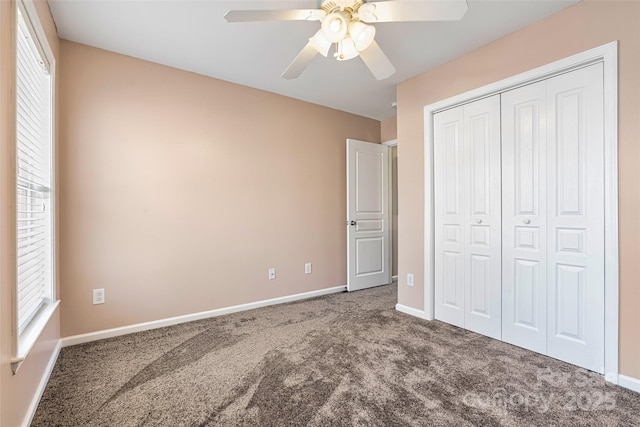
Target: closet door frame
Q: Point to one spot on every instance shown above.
(608, 55)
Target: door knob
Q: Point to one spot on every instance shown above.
(353, 223)
(479, 221)
(527, 221)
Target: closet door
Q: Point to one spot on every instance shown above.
(524, 210)
(575, 218)
(450, 205)
(481, 191)
(467, 220)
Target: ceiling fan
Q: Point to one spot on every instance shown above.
(346, 23)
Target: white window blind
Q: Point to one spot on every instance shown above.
(33, 166)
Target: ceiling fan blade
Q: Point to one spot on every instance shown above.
(275, 15)
(300, 62)
(377, 61)
(413, 10)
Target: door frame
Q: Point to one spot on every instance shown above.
(387, 184)
(391, 143)
(608, 55)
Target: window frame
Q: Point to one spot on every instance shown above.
(24, 342)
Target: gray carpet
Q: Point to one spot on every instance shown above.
(338, 360)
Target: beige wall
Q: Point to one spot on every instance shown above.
(580, 27)
(16, 391)
(388, 129)
(179, 191)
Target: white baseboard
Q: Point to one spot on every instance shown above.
(139, 327)
(629, 382)
(411, 311)
(33, 407)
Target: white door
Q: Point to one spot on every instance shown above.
(368, 215)
(553, 217)
(483, 307)
(519, 217)
(575, 218)
(524, 232)
(450, 205)
(467, 220)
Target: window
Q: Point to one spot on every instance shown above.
(34, 201)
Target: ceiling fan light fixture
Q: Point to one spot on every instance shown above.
(361, 34)
(335, 26)
(320, 43)
(346, 50)
(346, 23)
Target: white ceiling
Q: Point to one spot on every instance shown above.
(193, 36)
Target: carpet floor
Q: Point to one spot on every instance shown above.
(344, 359)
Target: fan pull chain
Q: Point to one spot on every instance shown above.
(338, 54)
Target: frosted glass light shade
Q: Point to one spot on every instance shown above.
(335, 26)
(346, 50)
(362, 34)
(320, 43)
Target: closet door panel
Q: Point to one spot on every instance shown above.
(482, 222)
(450, 205)
(576, 218)
(524, 269)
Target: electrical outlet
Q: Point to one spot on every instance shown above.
(98, 296)
(307, 268)
(272, 274)
(409, 279)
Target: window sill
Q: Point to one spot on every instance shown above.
(29, 336)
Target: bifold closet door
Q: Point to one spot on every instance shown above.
(575, 217)
(483, 220)
(467, 221)
(449, 175)
(553, 217)
(524, 208)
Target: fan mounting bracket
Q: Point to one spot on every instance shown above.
(350, 6)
